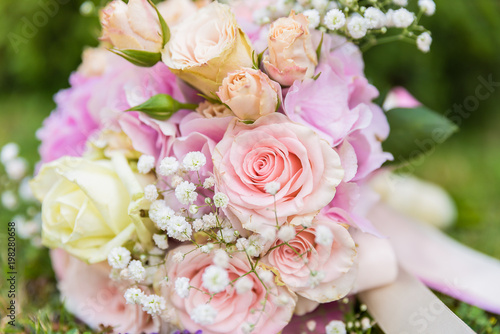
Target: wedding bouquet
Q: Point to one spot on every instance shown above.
(211, 170)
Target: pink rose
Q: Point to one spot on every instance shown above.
(132, 26)
(233, 309)
(250, 93)
(336, 263)
(94, 298)
(291, 52)
(273, 149)
(399, 97)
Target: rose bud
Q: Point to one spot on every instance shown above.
(206, 47)
(291, 52)
(132, 26)
(249, 93)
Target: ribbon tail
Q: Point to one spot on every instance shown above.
(440, 262)
(409, 307)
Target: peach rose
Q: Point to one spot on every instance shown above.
(206, 47)
(233, 310)
(212, 110)
(291, 52)
(273, 149)
(132, 26)
(94, 298)
(335, 262)
(250, 93)
(175, 11)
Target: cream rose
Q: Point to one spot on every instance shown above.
(90, 207)
(212, 110)
(291, 52)
(175, 11)
(132, 26)
(336, 262)
(206, 47)
(250, 93)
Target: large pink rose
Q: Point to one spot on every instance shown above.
(94, 298)
(233, 309)
(273, 149)
(336, 262)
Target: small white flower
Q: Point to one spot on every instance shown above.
(311, 325)
(424, 42)
(215, 279)
(9, 152)
(168, 166)
(401, 3)
(25, 190)
(153, 304)
(243, 285)
(207, 248)
(209, 182)
(176, 181)
(182, 287)
(178, 228)
(282, 300)
(262, 16)
(336, 327)
(228, 235)
(365, 323)
(151, 192)
(402, 18)
(375, 18)
(286, 233)
(186, 193)
(145, 164)
(136, 271)
(194, 161)
(16, 168)
(204, 314)
(198, 225)
(178, 257)
(119, 257)
(161, 241)
(247, 328)
(134, 296)
(221, 259)
(334, 19)
(269, 234)
(256, 245)
(272, 188)
(315, 278)
(427, 6)
(242, 244)
(193, 209)
(266, 276)
(161, 214)
(357, 26)
(324, 236)
(210, 220)
(320, 5)
(9, 200)
(221, 200)
(313, 18)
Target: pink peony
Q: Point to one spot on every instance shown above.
(273, 149)
(323, 104)
(336, 262)
(233, 309)
(89, 293)
(67, 129)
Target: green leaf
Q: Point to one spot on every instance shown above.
(138, 57)
(320, 46)
(415, 132)
(162, 107)
(257, 59)
(165, 31)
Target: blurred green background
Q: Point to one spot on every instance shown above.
(38, 52)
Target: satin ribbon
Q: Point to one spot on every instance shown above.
(408, 307)
(440, 262)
